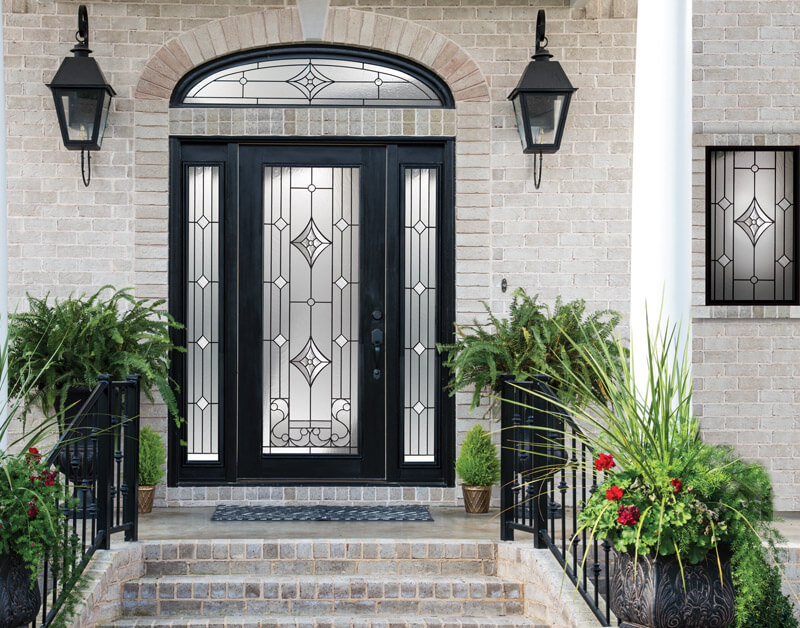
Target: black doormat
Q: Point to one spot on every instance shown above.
(321, 513)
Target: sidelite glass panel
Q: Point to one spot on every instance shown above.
(312, 81)
(419, 289)
(311, 291)
(202, 305)
(752, 220)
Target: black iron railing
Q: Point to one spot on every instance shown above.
(98, 457)
(544, 481)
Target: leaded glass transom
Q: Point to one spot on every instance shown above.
(296, 77)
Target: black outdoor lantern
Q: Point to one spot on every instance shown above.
(541, 101)
(82, 97)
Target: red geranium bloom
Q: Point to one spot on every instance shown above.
(604, 461)
(51, 478)
(614, 494)
(628, 515)
(33, 478)
(32, 509)
(33, 455)
(676, 484)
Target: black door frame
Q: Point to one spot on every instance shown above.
(401, 153)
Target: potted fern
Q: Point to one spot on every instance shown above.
(151, 461)
(533, 340)
(68, 343)
(478, 467)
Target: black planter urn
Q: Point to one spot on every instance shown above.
(77, 459)
(19, 603)
(656, 598)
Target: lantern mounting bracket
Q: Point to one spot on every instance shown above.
(541, 39)
(82, 35)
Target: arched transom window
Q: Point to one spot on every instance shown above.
(312, 76)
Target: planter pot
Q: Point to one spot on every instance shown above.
(19, 603)
(655, 598)
(77, 462)
(146, 495)
(476, 498)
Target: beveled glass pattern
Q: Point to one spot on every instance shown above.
(202, 305)
(752, 218)
(308, 81)
(419, 290)
(311, 292)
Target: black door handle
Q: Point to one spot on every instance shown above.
(377, 345)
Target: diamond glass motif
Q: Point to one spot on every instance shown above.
(419, 348)
(202, 403)
(341, 283)
(784, 261)
(310, 361)
(784, 204)
(724, 260)
(280, 282)
(340, 340)
(419, 407)
(419, 227)
(202, 281)
(279, 340)
(419, 288)
(311, 242)
(310, 81)
(203, 222)
(202, 342)
(754, 222)
(341, 224)
(281, 224)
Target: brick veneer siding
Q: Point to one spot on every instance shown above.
(746, 358)
(569, 238)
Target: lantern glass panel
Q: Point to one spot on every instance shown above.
(80, 109)
(544, 113)
(104, 118)
(520, 122)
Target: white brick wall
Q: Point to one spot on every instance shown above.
(746, 378)
(569, 238)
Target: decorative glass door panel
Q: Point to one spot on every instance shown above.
(311, 310)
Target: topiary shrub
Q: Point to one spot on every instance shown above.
(478, 463)
(151, 457)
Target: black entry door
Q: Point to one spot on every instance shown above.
(311, 311)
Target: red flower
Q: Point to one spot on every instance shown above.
(33, 478)
(51, 478)
(614, 494)
(32, 509)
(676, 484)
(33, 456)
(628, 515)
(604, 461)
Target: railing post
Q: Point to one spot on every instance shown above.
(130, 507)
(105, 444)
(507, 456)
(538, 420)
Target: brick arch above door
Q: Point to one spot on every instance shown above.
(344, 26)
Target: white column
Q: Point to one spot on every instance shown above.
(661, 216)
(3, 243)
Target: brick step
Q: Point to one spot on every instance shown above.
(339, 621)
(320, 557)
(320, 595)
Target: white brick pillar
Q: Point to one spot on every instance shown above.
(3, 246)
(661, 216)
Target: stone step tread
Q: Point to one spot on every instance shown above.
(310, 587)
(340, 621)
(318, 549)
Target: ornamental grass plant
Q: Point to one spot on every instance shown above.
(662, 490)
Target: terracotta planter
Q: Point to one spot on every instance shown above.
(655, 598)
(476, 498)
(19, 603)
(146, 495)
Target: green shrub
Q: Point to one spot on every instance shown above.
(533, 340)
(151, 457)
(478, 464)
(71, 342)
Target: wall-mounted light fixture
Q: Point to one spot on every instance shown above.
(541, 101)
(82, 97)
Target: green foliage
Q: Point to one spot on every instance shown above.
(478, 463)
(32, 523)
(663, 490)
(151, 457)
(71, 342)
(531, 341)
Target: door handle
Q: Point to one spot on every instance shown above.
(377, 345)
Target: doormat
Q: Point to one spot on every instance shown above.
(322, 513)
